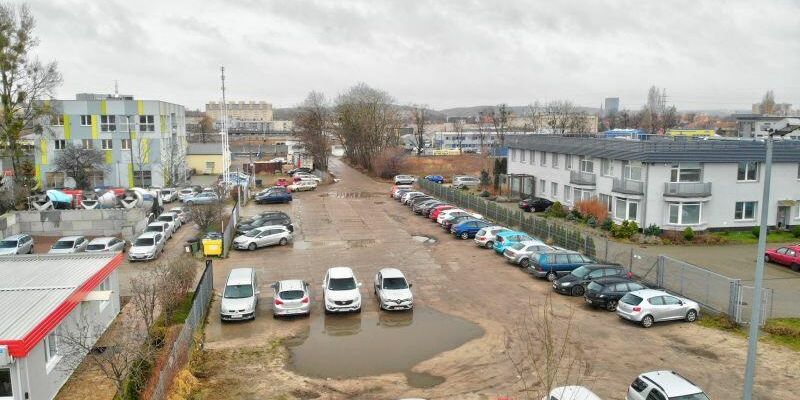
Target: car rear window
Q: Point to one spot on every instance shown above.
(292, 294)
(631, 299)
(594, 286)
(481, 232)
(143, 242)
(64, 244)
(95, 247)
(517, 246)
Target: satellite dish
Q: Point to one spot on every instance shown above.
(69, 183)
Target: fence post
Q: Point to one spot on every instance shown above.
(660, 271)
(734, 303)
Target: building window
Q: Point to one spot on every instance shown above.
(586, 165)
(748, 172)
(626, 209)
(147, 123)
(143, 178)
(60, 144)
(685, 172)
(54, 179)
(531, 156)
(88, 144)
(582, 195)
(553, 189)
(684, 213)
(86, 120)
(125, 144)
(568, 161)
(106, 144)
(5, 384)
(543, 160)
(606, 199)
(51, 350)
(555, 160)
(567, 194)
(606, 167)
(57, 120)
(632, 170)
(542, 186)
(210, 166)
(798, 171)
(522, 154)
(108, 123)
(513, 155)
(96, 178)
(745, 211)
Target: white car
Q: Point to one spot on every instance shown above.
(240, 295)
(404, 179)
(302, 186)
(466, 181)
(69, 244)
(263, 236)
(393, 290)
(185, 193)
(183, 216)
(173, 219)
(168, 195)
(147, 246)
(164, 228)
(408, 195)
(101, 244)
(455, 212)
(292, 297)
(486, 236)
(340, 291)
(664, 385)
(306, 175)
(16, 244)
(571, 393)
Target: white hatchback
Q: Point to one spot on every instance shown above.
(393, 290)
(341, 291)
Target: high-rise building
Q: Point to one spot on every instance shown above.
(611, 106)
(242, 115)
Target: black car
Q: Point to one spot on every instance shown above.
(535, 204)
(263, 215)
(425, 208)
(606, 292)
(575, 282)
(274, 189)
(296, 170)
(449, 224)
(266, 221)
(419, 199)
(417, 207)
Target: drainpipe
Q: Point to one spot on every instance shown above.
(644, 195)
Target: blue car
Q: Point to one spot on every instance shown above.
(435, 178)
(553, 264)
(507, 238)
(273, 198)
(468, 229)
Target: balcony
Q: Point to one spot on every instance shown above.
(582, 178)
(627, 186)
(687, 189)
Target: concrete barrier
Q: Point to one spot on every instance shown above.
(97, 222)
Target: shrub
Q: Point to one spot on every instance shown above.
(592, 208)
(556, 210)
(756, 230)
(688, 233)
(591, 221)
(485, 194)
(389, 162)
(607, 224)
(652, 230)
(625, 230)
(796, 231)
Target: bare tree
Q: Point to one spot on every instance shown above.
(312, 124)
(206, 127)
(458, 127)
(79, 163)
(24, 81)
(482, 129)
(500, 122)
(536, 116)
(419, 118)
(562, 117)
(175, 161)
(768, 103)
(172, 290)
(368, 122)
(206, 216)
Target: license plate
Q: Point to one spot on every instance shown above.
(235, 316)
(555, 286)
(589, 301)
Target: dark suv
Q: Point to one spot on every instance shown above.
(575, 282)
(606, 292)
(554, 263)
(270, 219)
(535, 204)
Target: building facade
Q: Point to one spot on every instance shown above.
(757, 125)
(143, 141)
(672, 183)
(610, 106)
(205, 158)
(242, 115)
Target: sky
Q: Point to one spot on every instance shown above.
(443, 53)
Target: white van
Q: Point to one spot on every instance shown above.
(240, 296)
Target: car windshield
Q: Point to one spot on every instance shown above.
(696, 396)
(341, 284)
(64, 244)
(154, 228)
(631, 299)
(8, 244)
(165, 218)
(517, 246)
(581, 272)
(143, 242)
(594, 286)
(99, 246)
(252, 233)
(292, 294)
(525, 238)
(394, 283)
(238, 291)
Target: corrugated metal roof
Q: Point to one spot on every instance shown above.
(33, 287)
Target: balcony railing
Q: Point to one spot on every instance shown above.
(687, 189)
(627, 186)
(582, 178)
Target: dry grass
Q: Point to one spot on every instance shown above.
(447, 166)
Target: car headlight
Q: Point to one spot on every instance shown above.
(602, 296)
(566, 283)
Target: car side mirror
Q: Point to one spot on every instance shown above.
(258, 292)
(680, 302)
(410, 285)
(359, 284)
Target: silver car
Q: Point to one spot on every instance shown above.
(263, 236)
(466, 181)
(16, 244)
(648, 306)
(204, 197)
(486, 236)
(102, 244)
(147, 246)
(69, 244)
(182, 215)
(520, 253)
(292, 297)
(173, 219)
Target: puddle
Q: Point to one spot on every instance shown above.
(424, 239)
(349, 346)
(355, 195)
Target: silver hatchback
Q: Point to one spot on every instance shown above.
(648, 306)
(292, 297)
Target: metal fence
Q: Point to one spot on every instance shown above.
(179, 353)
(230, 229)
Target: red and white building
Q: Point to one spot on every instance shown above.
(40, 297)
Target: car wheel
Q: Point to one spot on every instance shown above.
(647, 321)
(283, 242)
(251, 246)
(611, 305)
(464, 235)
(795, 267)
(489, 244)
(524, 263)
(358, 311)
(577, 290)
(189, 203)
(552, 276)
(31, 250)
(691, 316)
(766, 258)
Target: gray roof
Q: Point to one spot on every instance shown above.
(657, 150)
(204, 148)
(33, 287)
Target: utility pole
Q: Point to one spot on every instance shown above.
(224, 133)
(130, 148)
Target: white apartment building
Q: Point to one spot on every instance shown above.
(672, 183)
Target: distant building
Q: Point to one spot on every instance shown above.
(778, 110)
(691, 132)
(244, 116)
(281, 126)
(193, 118)
(756, 125)
(205, 158)
(610, 106)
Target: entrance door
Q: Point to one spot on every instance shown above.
(783, 217)
(5, 384)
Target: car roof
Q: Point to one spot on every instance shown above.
(610, 280)
(672, 383)
(158, 223)
(391, 273)
(73, 238)
(146, 235)
(170, 213)
(265, 227)
(509, 233)
(648, 293)
(340, 272)
(534, 242)
(240, 276)
(598, 266)
(292, 284)
(574, 393)
(16, 237)
(102, 240)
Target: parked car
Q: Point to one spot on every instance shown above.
(789, 256)
(486, 236)
(183, 216)
(574, 283)
(434, 214)
(240, 295)
(273, 198)
(571, 393)
(648, 306)
(102, 244)
(469, 228)
(263, 215)
(455, 212)
(164, 228)
(168, 195)
(300, 169)
(449, 223)
(535, 204)
(606, 292)
(435, 178)
(147, 246)
(395, 188)
(404, 180)
(69, 244)
(466, 181)
(283, 182)
(204, 197)
(508, 238)
(279, 189)
(306, 176)
(171, 218)
(393, 290)
(398, 195)
(292, 297)
(554, 263)
(265, 220)
(664, 385)
(340, 291)
(185, 193)
(520, 253)
(424, 207)
(419, 199)
(303, 186)
(16, 244)
(409, 196)
(263, 236)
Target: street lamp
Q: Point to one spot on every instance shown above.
(781, 128)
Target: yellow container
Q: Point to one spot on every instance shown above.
(212, 247)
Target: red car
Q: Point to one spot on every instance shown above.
(435, 213)
(789, 256)
(283, 182)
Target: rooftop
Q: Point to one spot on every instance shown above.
(204, 149)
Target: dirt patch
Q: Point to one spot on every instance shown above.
(466, 164)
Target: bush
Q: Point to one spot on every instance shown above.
(591, 221)
(688, 233)
(556, 210)
(485, 194)
(625, 230)
(756, 230)
(796, 231)
(389, 162)
(607, 224)
(652, 230)
(592, 208)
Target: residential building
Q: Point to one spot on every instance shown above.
(205, 158)
(610, 106)
(757, 125)
(44, 299)
(144, 141)
(193, 118)
(702, 183)
(243, 116)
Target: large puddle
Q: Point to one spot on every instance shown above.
(349, 346)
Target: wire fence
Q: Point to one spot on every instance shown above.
(230, 229)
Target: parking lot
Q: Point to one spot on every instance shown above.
(354, 223)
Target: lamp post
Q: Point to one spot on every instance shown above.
(130, 147)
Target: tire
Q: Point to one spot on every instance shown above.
(251, 246)
(464, 235)
(189, 203)
(647, 321)
(358, 311)
(524, 263)
(795, 267)
(766, 258)
(489, 244)
(552, 276)
(283, 242)
(611, 305)
(691, 316)
(577, 290)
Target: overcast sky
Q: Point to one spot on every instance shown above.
(443, 53)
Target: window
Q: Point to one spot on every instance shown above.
(51, 349)
(543, 160)
(88, 144)
(106, 144)
(626, 209)
(567, 194)
(142, 178)
(60, 144)
(553, 189)
(582, 195)
(745, 210)
(568, 161)
(685, 172)
(632, 170)
(125, 144)
(684, 213)
(586, 164)
(54, 179)
(542, 186)
(655, 395)
(108, 123)
(86, 120)
(532, 156)
(555, 160)
(575, 258)
(606, 167)
(561, 258)
(96, 178)
(147, 124)
(513, 155)
(748, 172)
(210, 165)
(5, 384)
(522, 154)
(606, 199)
(798, 171)
(56, 120)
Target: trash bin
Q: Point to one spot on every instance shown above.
(192, 246)
(212, 244)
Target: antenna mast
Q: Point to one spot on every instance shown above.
(224, 133)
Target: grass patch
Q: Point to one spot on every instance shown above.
(721, 322)
(746, 237)
(781, 331)
(180, 315)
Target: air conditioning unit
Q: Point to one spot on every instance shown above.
(5, 357)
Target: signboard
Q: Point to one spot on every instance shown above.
(5, 358)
